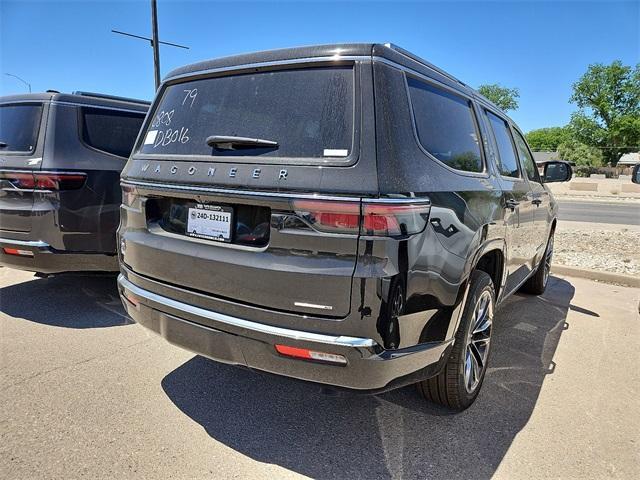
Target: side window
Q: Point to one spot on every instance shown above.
(507, 160)
(19, 126)
(110, 131)
(446, 126)
(527, 160)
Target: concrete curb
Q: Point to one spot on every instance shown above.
(608, 277)
(593, 199)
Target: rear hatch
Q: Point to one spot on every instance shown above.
(246, 186)
(22, 126)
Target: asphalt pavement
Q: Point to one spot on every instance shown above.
(627, 213)
(87, 394)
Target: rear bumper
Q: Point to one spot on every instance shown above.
(42, 258)
(248, 343)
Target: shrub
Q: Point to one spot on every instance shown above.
(584, 170)
(580, 154)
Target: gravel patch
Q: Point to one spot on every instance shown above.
(616, 251)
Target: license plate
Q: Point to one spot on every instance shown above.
(212, 222)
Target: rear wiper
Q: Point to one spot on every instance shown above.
(226, 142)
(3, 144)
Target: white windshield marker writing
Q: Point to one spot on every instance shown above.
(151, 137)
(336, 152)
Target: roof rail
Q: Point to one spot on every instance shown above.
(418, 59)
(111, 97)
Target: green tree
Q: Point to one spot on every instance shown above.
(547, 139)
(580, 154)
(505, 98)
(608, 98)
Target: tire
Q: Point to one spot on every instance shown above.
(456, 387)
(392, 308)
(537, 283)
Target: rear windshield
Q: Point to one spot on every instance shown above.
(307, 112)
(19, 125)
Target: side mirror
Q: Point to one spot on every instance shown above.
(557, 172)
(635, 174)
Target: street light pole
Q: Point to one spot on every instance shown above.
(154, 42)
(21, 79)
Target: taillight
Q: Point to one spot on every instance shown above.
(129, 195)
(329, 215)
(389, 218)
(21, 180)
(44, 180)
(394, 219)
(59, 181)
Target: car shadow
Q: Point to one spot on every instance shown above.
(281, 421)
(71, 301)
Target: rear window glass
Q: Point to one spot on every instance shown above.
(446, 126)
(308, 112)
(526, 158)
(110, 131)
(19, 125)
(507, 160)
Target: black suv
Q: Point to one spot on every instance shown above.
(60, 162)
(344, 214)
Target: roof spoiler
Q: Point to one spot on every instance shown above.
(418, 59)
(111, 97)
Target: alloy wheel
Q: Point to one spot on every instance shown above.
(477, 349)
(397, 305)
(547, 259)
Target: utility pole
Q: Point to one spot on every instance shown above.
(21, 79)
(153, 41)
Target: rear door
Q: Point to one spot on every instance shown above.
(539, 197)
(519, 211)
(107, 136)
(246, 187)
(22, 133)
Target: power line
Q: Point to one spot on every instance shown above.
(150, 40)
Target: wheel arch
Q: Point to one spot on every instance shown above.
(489, 256)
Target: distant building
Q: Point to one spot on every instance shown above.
(543, 157)
(626, 159)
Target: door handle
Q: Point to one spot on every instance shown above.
(512, 204)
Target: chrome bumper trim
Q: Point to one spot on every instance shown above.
(24, 243)
(342, 341)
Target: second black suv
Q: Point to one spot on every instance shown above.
(60, 162)
(346, 214)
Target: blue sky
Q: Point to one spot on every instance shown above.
(539, 47)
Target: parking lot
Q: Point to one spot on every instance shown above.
(86, 393)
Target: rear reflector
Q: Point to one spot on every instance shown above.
(132, 299)
(306, 354)
(17, 251)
